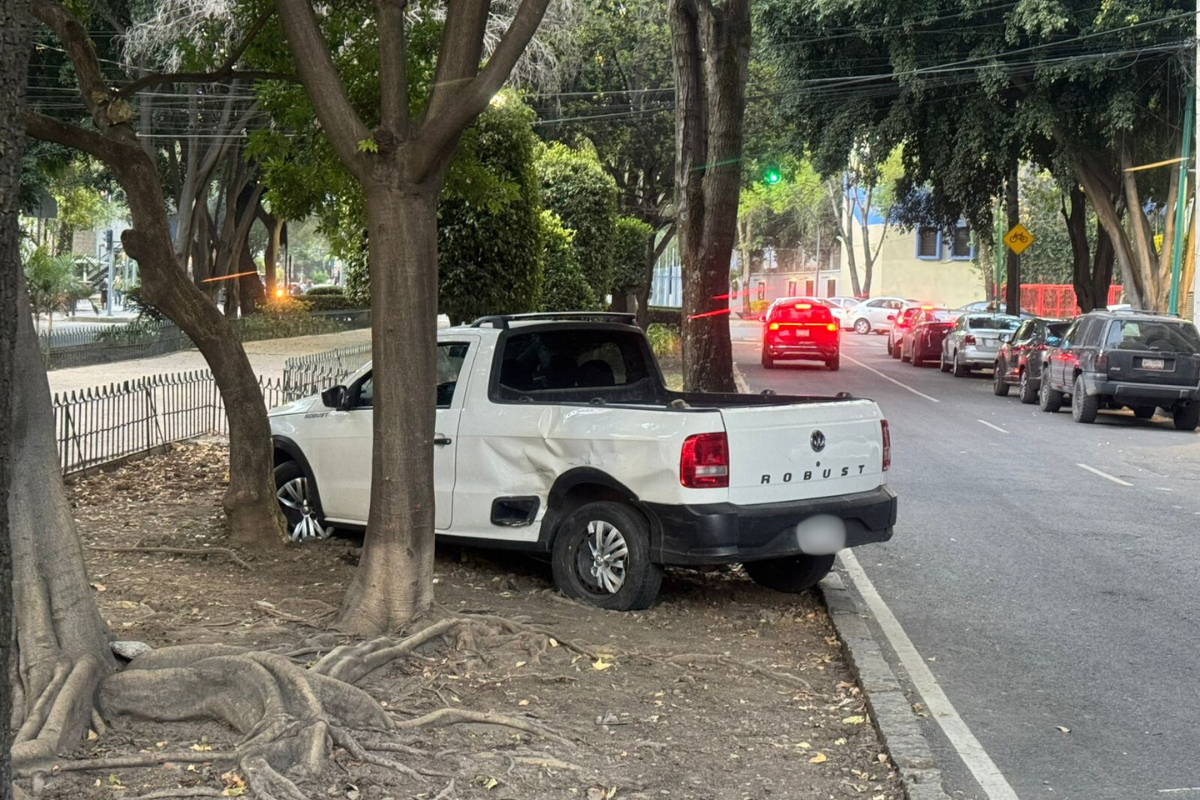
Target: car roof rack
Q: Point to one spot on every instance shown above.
(502, 320)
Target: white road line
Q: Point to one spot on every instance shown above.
(986, 773)
(893, 380)
(990, 425)
(1184, 789)
(1104, 475)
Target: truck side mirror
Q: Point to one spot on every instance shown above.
(334, 397)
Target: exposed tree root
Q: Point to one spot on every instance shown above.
(786, 678)
(176, 551)
(455, 716)
(446, 793)
(168, 794)
(532, 760)
(513, 626)
(289, 718)
(62, 711)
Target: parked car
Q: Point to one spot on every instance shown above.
(843, 308)
(923, 341)
(556, 434)
(1120, 359)
(873, 315)
(799, 328)
(901, 323)
(1019, 361)
(974, 341)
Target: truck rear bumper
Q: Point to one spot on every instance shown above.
(1122, 390)
(724, 533)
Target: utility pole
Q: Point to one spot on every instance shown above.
(1180, 200)
(108, 293)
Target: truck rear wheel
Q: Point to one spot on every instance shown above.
(834, 363)
(601, 556)
(767, 361)
(1187, 418)
(792, 574)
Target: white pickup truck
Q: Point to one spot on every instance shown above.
(556, 434)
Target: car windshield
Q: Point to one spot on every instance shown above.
(993, 323)
(1055, 331)
(941, 315)
(1168, 336)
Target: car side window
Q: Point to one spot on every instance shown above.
(875, 304)
(1072, 332)
(1022, 333)
(450, 357)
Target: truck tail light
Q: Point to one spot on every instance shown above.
(968, 339)
(704, 463)
(887, 445)
(1101, 364)
(831, 327)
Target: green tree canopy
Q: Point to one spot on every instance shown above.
(576, 187)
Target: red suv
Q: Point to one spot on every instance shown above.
(799, 328)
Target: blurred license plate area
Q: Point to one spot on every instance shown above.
(1154, 363)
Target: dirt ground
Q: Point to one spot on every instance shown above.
(722, 690)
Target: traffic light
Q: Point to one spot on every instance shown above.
(772, 175)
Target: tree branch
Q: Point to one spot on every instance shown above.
(320, 78)
(459, 53)
(393, 67)
(220, 73)
(48, 129)
(443, 125)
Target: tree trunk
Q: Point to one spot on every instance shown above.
(14, 53)
(1091, 272)
(250, 287)
(66, 235)
(710, 55)
(254, 516)
(846, 234)
(62, 643)
(1100, 190)
(274, 226)
(394, 580)
(1012, 260)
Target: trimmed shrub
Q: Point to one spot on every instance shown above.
(564, 286)
(629, 274)
(576, 187)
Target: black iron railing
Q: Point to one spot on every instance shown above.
(107, 423)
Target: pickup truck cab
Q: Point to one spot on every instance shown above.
(556, 434)
(1124, 359)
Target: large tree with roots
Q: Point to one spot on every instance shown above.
(253, 514)
(14, 50)
(401, 165)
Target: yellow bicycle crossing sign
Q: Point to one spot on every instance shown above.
(1018, 239)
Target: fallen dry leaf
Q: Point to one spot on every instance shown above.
(1063, 728)
(819, 758)
(857, 719)
(601, 664)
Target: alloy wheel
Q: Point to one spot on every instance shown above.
(302, 520)
(602, 565)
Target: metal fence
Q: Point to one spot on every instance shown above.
(305, 375)
(146, 338)
(107, 423)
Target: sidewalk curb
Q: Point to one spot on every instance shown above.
(891, 713)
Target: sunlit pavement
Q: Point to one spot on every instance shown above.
(1046, 571)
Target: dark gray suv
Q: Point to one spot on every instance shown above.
(1120, 359)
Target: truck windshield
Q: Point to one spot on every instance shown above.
(576, 365)
(1174, 337)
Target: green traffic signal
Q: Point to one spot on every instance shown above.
(773, 175)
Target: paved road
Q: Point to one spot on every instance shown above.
(1041, 594)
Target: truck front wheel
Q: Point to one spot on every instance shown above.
(792, 574)
(602, 557)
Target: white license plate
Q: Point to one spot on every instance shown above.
(1153, 363)
(802, 333)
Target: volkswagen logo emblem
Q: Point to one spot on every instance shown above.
(817, 440)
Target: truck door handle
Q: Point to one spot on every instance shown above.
(441, 441)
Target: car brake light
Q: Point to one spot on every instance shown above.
(968, 339)
(804, 306)
(774, 326)
(831, 327)
(887, 445)
(704, 463)
(1101, 362)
